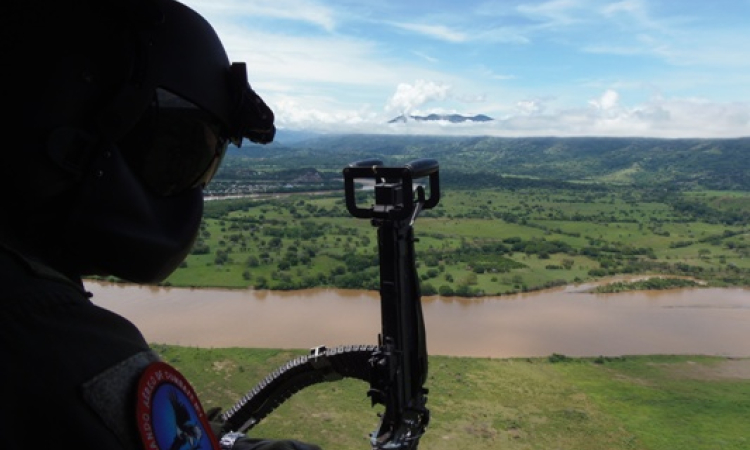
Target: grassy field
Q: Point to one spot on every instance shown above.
(555, 403)
(488, 242)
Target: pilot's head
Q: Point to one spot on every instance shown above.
(121, 112)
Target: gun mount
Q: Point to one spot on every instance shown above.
(396, 367)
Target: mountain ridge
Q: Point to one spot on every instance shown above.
(722, 164)
(452, 118)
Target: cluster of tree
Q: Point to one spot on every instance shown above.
(654, 283)
(697, 210)
(220, 210)
(614, 266)
(456, 179)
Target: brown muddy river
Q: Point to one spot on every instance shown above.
(566, 320)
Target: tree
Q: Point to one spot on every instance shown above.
(445, 291)
(428, 289)
(252, 261)
(222, 257)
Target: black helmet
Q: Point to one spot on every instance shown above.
(132, 119)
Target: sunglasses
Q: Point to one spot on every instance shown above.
(176, 146)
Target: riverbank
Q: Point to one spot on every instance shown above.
(605, 285)
(648, 284)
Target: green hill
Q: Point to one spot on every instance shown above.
(696, 163)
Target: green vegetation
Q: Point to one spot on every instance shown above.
(516, 215)
(492, 241)
(656, 283)
(563, 403)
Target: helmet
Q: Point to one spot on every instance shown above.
(131, 116)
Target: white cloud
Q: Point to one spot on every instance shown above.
(440, 32)
(605, 115)
(426, 57)
(658, 117)
(554, 13)
(292, 114)
(531, 107)
(307, 11)
(305, 59)
(632, 8)
(485, 71)
(410, 96)
(607, 101)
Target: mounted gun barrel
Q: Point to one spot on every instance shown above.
(399, 366)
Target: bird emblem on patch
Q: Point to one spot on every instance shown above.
(169, 414)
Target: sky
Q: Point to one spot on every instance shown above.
(651, 68)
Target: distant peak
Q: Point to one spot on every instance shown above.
(453, 118)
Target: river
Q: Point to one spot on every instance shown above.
(565, 320)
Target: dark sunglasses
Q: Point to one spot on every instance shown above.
(176, 146)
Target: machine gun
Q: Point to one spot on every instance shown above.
(396, 367)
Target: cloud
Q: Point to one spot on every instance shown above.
(311, 12)
(607, 101)
(603, 116)
(554, 13)
(657, 117)
(410, 96)
(440, 32)
(426, 57)
(634, 8)
(531, 107)
(292, 114)
(485, 71)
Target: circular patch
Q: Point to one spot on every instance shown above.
(170, 415)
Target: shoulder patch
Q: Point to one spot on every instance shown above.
(169, 414)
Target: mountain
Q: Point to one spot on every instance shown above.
(708, 163)
(453, 118)
(288, 136)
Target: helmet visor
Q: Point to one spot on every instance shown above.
(176, 146)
